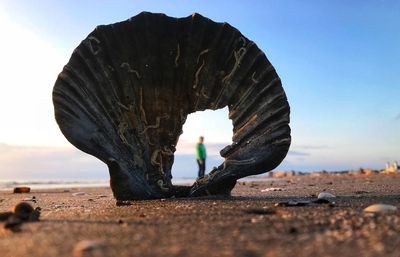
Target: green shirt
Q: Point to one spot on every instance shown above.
(200, 152)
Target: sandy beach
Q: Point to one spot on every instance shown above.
(253, 222)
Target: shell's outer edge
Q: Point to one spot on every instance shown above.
(128, 87)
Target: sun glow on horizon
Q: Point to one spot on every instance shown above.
(29, 66)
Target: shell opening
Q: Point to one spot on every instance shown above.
(216, 128)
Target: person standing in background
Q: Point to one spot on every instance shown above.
(201, 156)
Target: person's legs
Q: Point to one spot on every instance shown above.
(202, 169)
(199, 172)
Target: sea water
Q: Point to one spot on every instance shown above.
(54, 184)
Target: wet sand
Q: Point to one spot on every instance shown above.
(246, 224)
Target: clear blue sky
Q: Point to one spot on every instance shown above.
(339, 62)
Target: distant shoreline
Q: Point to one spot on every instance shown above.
(6, 185)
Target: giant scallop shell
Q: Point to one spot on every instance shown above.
(128, 87)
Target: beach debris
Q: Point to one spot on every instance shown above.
(86, 248)
(133, 124)
(256, 220)
(299, 203)
(79, 193)
(281, 204)
(332, 204)
(261, 211)
(252, 184)
(292, 203)
(26, 212)
(325, 195)
(58, 205)
(124, 203)
(23, 189)
(361, 192)
(30, 199)
(23, 212)
(269, 189)
(322, 199)
(380, 208)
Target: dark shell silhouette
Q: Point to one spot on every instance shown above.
(127, 90)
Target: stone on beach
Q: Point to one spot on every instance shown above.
(272, 189)
(292, 204)
(261, 211)
(86, 248)
(23, 212)
(325, 196)
(30, 199)
(380, 208)
(79, 194)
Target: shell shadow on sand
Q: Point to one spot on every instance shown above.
(128, 87)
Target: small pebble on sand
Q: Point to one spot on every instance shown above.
(325, 195)
(292, 204)
(30, 199)
(79, 193)
(88, 248)
(124, 203)
(272, 189)
(261, 211)
(26, 212)
(23, 212)
(380, 208)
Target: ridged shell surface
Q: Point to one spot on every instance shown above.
(128, 87)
